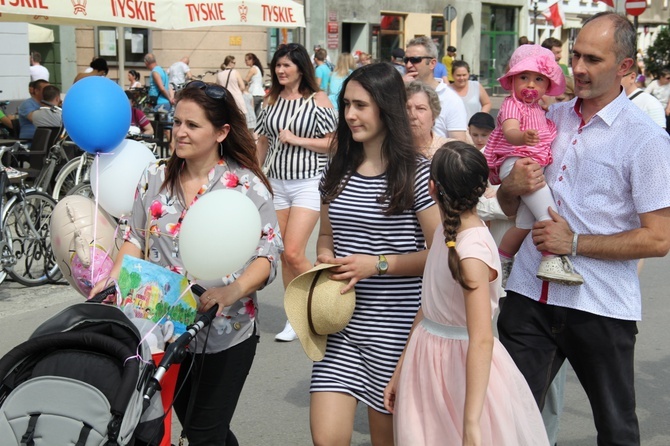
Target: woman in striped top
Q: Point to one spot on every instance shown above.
(376, 221)
(294, 132)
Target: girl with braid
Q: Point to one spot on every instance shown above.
(455, 383)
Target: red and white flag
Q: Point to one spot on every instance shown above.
(555, 15)
(607, 2)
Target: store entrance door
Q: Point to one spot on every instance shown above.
(496, 50)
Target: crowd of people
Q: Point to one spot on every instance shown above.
(438, 216)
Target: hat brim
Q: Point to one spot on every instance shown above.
(556, 86)
(295, 305)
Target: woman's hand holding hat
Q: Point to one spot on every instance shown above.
(353, 268)
(316, 307)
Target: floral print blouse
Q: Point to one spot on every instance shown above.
(162, 213)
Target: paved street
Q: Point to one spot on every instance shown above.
(274, 407)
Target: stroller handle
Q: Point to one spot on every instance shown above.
(176, 351)
(102, 295)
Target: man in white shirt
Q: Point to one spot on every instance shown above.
(646, 102)
(37, 71)
(178, 73)
(420, 60)
(613, 205)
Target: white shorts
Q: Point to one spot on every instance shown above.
(296, 193)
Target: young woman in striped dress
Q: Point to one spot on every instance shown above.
(376, 221)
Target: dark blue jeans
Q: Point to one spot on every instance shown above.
(539, 337)
(218, 390)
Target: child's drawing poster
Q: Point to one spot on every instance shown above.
(154, 292)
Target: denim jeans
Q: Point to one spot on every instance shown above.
(539, 337)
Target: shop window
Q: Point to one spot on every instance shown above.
(137, 44)
(392, 30)
(280, 36)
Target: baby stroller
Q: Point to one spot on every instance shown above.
(78, 380)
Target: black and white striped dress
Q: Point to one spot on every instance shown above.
(361, 358)
(295, 162)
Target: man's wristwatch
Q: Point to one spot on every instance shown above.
(382, 265)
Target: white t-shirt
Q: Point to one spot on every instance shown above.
(660, 92)
(650, 105)
(177, 73)
(453, 117)
(38, 72)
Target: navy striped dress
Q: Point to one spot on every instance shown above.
(295, 162)
(361, 358)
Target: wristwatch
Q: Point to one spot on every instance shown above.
(382, 265)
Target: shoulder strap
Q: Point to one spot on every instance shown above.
(272, 151)
(636, 94)
(230, 73)
(297, 112)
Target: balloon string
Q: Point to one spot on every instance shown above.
(95, 216)
(144, 338)
(96, 162)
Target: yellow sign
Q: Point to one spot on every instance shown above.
(235, 40)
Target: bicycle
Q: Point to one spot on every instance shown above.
(199, 77)
(25, 240)
(75, 172)
(55, 159)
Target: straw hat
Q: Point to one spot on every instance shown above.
(315, 308)
(539, 60)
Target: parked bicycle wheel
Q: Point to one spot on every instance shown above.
(84, 189)
(72, 174)
(6, 255)
(28, 222)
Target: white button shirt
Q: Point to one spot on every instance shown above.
(605, 173)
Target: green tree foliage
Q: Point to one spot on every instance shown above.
(658, 54)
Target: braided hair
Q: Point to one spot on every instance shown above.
(460, 173)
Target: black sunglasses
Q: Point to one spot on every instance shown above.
(289, 46)
(214, 91)
(415, 59)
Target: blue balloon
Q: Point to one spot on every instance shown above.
(96, 114)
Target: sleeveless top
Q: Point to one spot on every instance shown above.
(471, 99)
(153, 88)
(228, 78)
(256, 84)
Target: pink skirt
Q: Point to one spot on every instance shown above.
(430, 397)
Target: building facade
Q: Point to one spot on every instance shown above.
(485, 34)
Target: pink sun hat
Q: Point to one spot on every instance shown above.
(539, 60)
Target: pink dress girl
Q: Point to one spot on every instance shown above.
(523, 131)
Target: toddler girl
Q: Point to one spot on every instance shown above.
(524, 131)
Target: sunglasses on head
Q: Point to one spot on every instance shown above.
(289, 46)
(212, 90)
(415, 59)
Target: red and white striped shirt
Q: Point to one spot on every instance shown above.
(530, 116)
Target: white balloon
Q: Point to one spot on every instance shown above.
(219, 234)
(114, 179)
